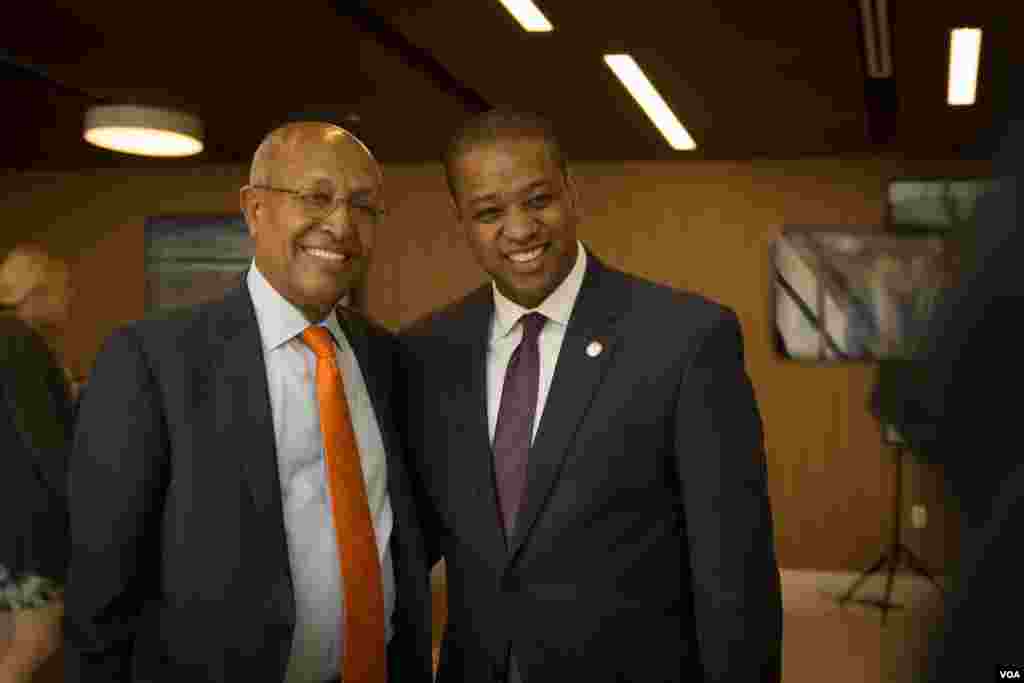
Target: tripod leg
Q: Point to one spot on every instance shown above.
(918, 567)
(863, 577)
(894, 562)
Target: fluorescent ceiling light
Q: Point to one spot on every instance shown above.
(528, 15)
(650, 101)
(874, 16)
(964, 54)
(145, 131)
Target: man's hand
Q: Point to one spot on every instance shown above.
(35, 637)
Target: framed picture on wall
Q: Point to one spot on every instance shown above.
(864, 295)
(194, 258)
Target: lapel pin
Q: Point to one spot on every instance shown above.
(594, 348)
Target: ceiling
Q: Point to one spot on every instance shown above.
(748, 79)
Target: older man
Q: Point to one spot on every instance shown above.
(591, 449)
(239, 509)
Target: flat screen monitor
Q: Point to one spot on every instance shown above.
(940, 206)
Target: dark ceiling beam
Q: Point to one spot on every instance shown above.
(13, 67)
(881, 93)
(413, 55)
(882, 104)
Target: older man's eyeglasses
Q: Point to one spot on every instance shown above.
(320, 205)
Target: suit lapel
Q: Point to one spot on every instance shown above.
(242, 404)
(577, 376)
(472, 458)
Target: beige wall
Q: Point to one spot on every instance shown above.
(705, 226)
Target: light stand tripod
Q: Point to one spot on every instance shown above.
(890, 559)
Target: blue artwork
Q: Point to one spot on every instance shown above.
(191, 259)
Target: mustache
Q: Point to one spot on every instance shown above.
(316, 238)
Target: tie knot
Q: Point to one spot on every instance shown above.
(532, 324)
(319, 339)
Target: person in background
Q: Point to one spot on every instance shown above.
(947, 403)
(976, 435)
(36, 422)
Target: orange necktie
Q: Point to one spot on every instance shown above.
(363, 659)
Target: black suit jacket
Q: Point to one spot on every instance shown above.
(179, 568)
(35, 436)
(644, 548)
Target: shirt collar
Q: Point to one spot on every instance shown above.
(556, 307)
(279, 320)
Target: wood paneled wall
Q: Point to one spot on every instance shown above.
(704, 226)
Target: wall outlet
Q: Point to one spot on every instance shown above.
(918, 516)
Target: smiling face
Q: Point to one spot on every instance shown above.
(519, 212)
(310, 259)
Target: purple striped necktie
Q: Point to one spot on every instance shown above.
(516, 414)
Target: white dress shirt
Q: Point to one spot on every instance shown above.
(312, 548)
(507, 332)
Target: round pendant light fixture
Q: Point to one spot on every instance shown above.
(144, 131)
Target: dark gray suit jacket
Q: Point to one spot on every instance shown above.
(644, 550)
(179, 566)
(35, 435)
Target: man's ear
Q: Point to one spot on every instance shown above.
(573, 192)
(453, 205)
(251, 206)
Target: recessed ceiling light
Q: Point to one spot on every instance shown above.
(144, 131)
(645, 94)
(528, 15)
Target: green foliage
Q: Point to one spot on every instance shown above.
(28, 592)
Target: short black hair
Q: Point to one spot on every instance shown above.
(500, 124)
